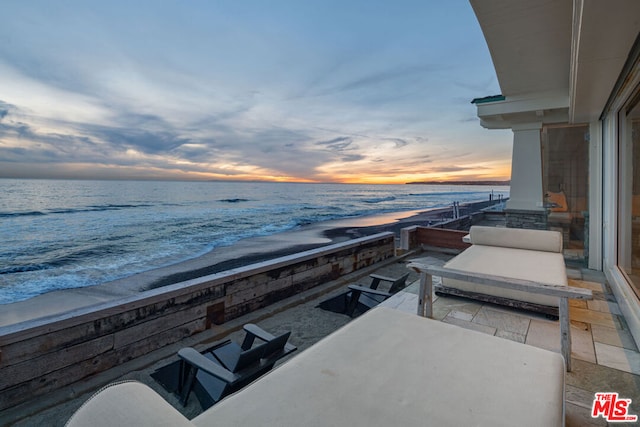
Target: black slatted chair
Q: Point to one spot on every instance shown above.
(362, 298)
(226, 368)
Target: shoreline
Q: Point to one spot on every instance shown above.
(285, 243)
(244, 252)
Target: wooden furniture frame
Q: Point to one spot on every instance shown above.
(425, 302)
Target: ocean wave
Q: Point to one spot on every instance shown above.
(110, 207)
(233, 200)
(24, 268)
(68, 241)
(380, 199)
(18, 214)
(314, 220)
(92, 208)
(85, 255)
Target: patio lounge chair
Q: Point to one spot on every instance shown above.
(520, 254)
(228, 367)
(364, 298)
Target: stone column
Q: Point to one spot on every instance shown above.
(525, 206)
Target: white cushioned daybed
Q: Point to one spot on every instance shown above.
(534, 255)
(385, 368)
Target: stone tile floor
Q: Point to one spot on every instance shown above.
(604, 355)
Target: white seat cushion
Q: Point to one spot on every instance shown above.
(537, 266)
(389, 368)
(127, 403)
(517, 238)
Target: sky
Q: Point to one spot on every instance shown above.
(279, 90)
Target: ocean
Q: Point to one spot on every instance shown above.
(60, 234)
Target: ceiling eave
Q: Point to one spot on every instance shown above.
(603, 35)
(542, 108)
(529, 43)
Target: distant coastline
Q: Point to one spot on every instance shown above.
(461, 182)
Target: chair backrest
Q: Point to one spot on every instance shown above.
(249, 357)
(399, 284)
(517, 238)
(276, 345)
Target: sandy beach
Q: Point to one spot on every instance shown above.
(242, 253)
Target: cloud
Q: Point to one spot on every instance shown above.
(295, 97)
(273, 150)
(386, 76)
(146, 141)
(399, 143)
(337, 144)
(478, 86)
(352, 158)
(469, 120)
(4, 109)
(211, 144)
(194, 152)
(356, 83)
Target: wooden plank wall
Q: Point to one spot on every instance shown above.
(433, 238)
(441, 238)
(40, 356)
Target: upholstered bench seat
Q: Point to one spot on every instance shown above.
(385, 368)
(544, 267)
(532, 255)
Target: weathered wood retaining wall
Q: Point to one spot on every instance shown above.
(447, 234)
(432, 239)
(40, 356)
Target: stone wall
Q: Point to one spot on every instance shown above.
(43, 355)
(535, 220)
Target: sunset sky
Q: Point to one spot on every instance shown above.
(292, 90)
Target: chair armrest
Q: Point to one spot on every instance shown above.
(255, 331)
(199, 361)
(258, 332)
(504, 282)
(383, 278)
(366, 290)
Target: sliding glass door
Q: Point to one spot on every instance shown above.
(629, 192)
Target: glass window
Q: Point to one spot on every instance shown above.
(565, 181)
(629, 184)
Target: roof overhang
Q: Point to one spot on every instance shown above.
(603, 34)
(543, 108)
(545, 51)
(529, 42)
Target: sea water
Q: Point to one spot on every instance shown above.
(58, 234)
